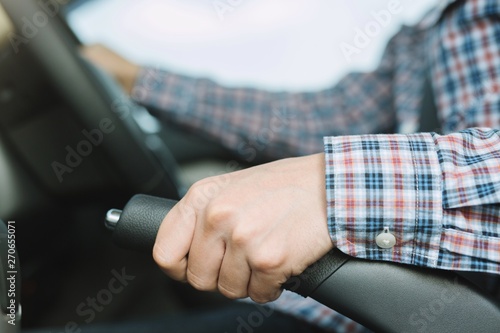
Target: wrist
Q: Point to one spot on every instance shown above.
(128, 78)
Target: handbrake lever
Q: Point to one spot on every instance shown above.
(383, 296)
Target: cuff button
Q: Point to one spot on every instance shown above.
(386, 240)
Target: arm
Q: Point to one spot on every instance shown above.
(438, 194)
(256, 124)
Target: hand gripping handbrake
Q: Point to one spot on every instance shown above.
(383, 296)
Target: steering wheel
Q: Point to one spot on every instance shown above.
(109, 133)
(382, 296)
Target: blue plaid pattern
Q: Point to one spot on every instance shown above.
(439, 194)
(385, 181)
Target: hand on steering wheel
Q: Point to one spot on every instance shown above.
(117, 66)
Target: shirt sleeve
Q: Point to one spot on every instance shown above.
(439, 195)
(260, 125)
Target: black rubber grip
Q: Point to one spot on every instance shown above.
(315, 275)
(140, 221)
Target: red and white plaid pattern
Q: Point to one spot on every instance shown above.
(439, 194)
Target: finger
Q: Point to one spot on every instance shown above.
(205, 259)
(174, 241)
(234, 274)
(265, 287)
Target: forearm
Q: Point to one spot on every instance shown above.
(257, 124)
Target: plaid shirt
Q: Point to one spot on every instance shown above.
(438, 194)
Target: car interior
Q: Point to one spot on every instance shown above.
(47, 100)
(73, 145)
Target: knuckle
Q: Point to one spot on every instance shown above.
(267, 261)
(168, 264)
(262, 297)
(199, 184)
(241, 236)
(194, 194)
(260, 300)
(219, 214)
(202, 192)
(162, 259)
(231, 293)
(239, 240)
(199, 283)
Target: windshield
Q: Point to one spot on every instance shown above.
(279, 44)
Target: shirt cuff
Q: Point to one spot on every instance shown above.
(385, 182)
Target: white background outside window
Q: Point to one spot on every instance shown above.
(273, 44)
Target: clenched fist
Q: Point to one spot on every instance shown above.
(246, 233)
